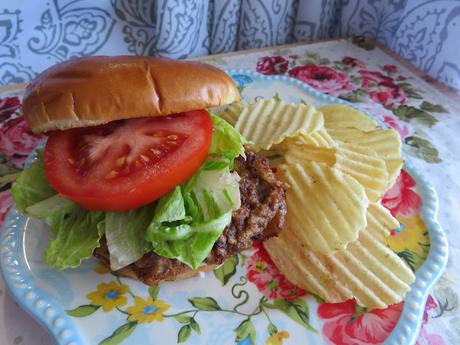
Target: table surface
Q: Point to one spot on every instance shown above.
(424, 113)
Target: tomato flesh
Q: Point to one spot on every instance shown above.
(127, 164)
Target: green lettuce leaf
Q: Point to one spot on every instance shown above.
(31, 186)
(170, 208)
(227, 144)
(76, 233)
(189, 220)
(125, 232)
(45, 208)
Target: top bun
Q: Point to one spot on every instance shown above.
(96, 90)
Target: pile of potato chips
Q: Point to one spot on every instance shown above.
(338, 163)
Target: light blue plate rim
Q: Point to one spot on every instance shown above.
(53, 317)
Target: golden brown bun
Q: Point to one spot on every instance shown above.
(95, 90)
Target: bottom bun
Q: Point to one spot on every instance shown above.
(261, 216)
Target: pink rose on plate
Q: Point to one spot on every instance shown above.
(375, 78)
(352, 62)
(347, 324)
(393, 122)
(17, 140)
(388, 96)
(322, 78)
(271, 65)
(269, 281)
(6, 201)
(382, 89)
(401, 198)
(390, 68)
(8, 106)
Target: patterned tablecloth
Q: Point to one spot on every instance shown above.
(427, 119)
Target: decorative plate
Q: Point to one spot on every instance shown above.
(246, 300)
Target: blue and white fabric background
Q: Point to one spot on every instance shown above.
(36, 34)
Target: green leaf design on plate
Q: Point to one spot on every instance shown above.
(184, 333)
(408, 113)
(363, 42)
(245, 329)
(195, 326)
(297, 310)
(311, 58)
(271, 328)
(413, 259)
(354, 96)
(83, 310)
(436, 108)
(204, 303)
(338, 65)
(153, 291)
(183, 319)
(422, 148)
(8, 171)
(227, 270)
(120, 334)
(318, 299)
(409, 90)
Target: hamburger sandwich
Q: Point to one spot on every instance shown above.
(138, 172)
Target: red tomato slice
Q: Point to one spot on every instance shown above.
(127, 164)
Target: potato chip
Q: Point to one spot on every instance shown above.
(298, 152)
(366, 270)
(380, 222)
(319, 138)
(361, 163)
(338, 116)
(385, 142)
(326, 209)
(232, 112)
(269, 122)
(365, 166)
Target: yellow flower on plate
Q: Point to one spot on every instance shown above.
(412, 236)
(109, 296)
(148, 310)
(277, 338)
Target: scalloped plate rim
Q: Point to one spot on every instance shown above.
(51, 316)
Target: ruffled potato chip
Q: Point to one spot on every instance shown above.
(268, 122)
(232, 112)
(385, 142)
(319, 138)
(338, 116)
(360, 162)
(326, 208)
(365, 166)
(366, 270)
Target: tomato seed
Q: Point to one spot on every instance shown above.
(111, 174)
(172, 137)
(145, 158)
(71, 161)
(120, 161)
(155, 151)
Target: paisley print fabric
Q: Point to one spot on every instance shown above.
(37, 34)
